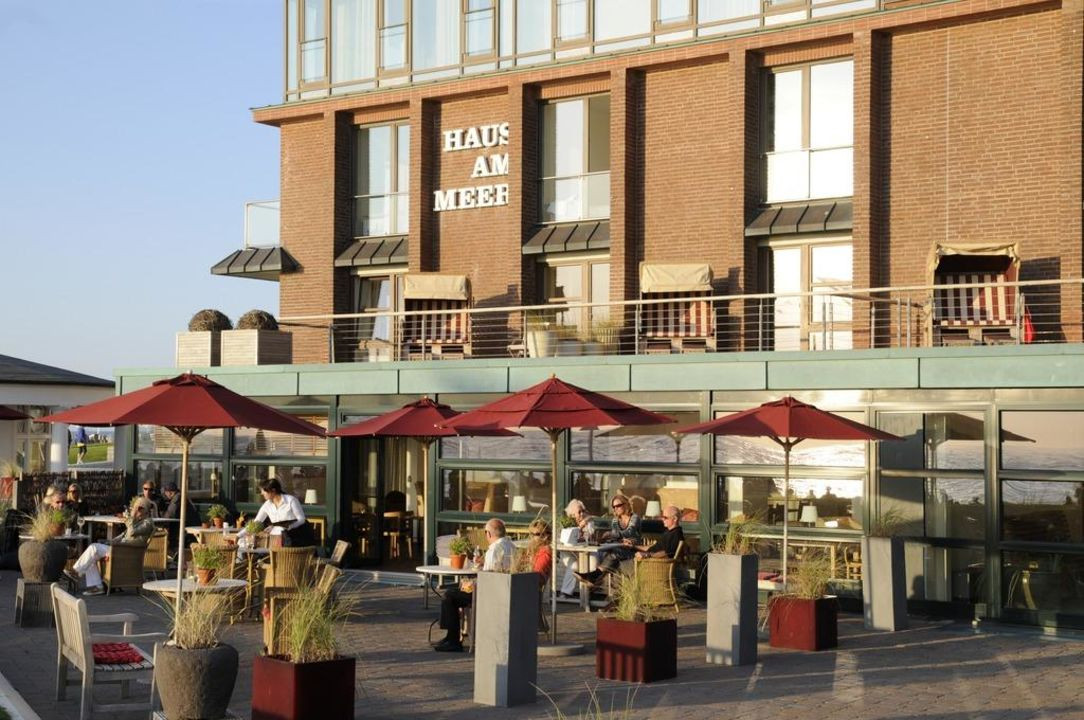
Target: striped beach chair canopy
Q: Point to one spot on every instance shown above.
(686, 312)
(971, 279)
(447, 297)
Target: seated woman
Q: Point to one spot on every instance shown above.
(625, 529)
(539, 551)
(139, 530)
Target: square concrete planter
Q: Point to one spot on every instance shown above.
(803, 624)
(505, 638)
(732, 609)
(884, 584)
(257, 347)
(198, 349)
(282, 690)
(640, 652)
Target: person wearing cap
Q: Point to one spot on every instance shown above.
(173, 512)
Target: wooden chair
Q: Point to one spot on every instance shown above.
(656, 576)
(290, 567)
(215, 539)
(852, 562)
(122, 569)
(75, 647)
(156, 558)
(397, 525)
(339, 553)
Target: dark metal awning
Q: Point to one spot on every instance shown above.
(374, 251)
(793, 219)
(575, 237)
(265, 263)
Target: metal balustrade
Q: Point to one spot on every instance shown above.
(1046, 311)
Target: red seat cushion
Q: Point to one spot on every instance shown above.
(115, 654)
(768, 575)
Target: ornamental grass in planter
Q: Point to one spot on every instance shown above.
(804, 618)
(732, 596)
(195, 672)
(636, 642)
(310, 679)
(42, 558)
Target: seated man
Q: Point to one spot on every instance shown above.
(499, 558)
(578, 512)
(173, 511)
(665, 547)
(138, 532)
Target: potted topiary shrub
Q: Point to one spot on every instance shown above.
(732, 596)
(884, 580)
(310, 679)
(217, 514)
(460, 548)
(257, 340)
(201, 346)
(636, 642)
(804, 617)
(42, 558)
(207, 561)
(195, 672)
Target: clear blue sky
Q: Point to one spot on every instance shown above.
(127, 152)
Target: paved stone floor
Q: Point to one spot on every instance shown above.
(935, 670)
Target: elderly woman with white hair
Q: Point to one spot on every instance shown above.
(578, 512)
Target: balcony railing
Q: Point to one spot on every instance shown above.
(1047, 311)
(262, 223)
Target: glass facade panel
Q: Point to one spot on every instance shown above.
(1038, 511)
(955, 507)
(786, 116)
(715, 10)
(735, 450)
(204, 478)
(381, 180)
(494, 491)
(296, 480)
(291, 44)
(156, 440)
(353, 27)
(435, 25)
(788, 175)
(249, 442)
(831, 104)
(945, 574)
(672, 11)
(534, 445)
(576, 141)
(831, 173)
(571, 19)
(533, 29)
(621, 18)
(1043, 582)
(638, 444)
(1042, 440)
(596, 489)
(479, 27)
(933, 440)
(838, 501)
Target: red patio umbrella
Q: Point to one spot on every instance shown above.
(185, 405)
(420, 420)
(788, 422)
(7, 413)
(555, 406)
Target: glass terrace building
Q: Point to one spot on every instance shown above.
(697, 206)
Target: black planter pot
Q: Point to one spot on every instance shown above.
(42, 561)
(195, 684)
(283, 690)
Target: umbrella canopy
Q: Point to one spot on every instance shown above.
(555, 406)
(7, 413)
(788, 421)
(186, 405)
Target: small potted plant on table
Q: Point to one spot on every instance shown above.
(208, 561)
(460, 548)
(195, 672)
(637, 642)
(804, 617)
(217, 515)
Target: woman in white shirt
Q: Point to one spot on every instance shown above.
(284, 510)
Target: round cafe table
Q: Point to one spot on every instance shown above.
(110, 522)
(167, 588)
(430, 573)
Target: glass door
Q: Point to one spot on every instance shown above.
(387, 502)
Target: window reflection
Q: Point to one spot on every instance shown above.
(933, 440)
(533, 445)
(734, 450)
(836, 502)
(157, 440)
(204, 478)
(495, 491)
(945, 574)
(1050, 582)
(247, 441)
(308, 483)
(1042, 440)
(1042, 511)
(597, 489)
(638, 444)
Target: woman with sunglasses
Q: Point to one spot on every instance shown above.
(539, 550)
(76, 503)
(625, 529)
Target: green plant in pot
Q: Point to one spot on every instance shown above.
(460, 548)
(636, 642)
(254, 527)
(208, 562)
(195, 672)
(217, 515)
(42, 558)
(309, 678)
(805, 617)
(732, 595)
(884, 578)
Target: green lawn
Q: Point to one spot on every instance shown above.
(95, 453)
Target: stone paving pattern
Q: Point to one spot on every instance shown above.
(935, 670)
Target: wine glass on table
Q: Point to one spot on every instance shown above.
(80, 521)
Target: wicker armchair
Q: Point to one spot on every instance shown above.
(277, 610)
(290, 567)
(656, 576)
(155, 560)
(122, 569)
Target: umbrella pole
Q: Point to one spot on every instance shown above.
(181, 532)
(553, 536)
(786, 506)
(425, 494)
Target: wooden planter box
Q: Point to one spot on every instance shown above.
(636, 651)
(198, 349)
(282, 690)
(257, 347)
(801, 624)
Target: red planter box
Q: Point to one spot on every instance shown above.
(802, 624)
(284, 690)
(635, 651)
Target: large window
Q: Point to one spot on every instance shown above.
(32, 441)
(353, 52)
(834, 503)
(617, 19)
(377, 293)
(479, 28)
(649, 493)
(810, 132)
(495, 491)
(308, 483)
(638, 443)
(819, 321)
(576, 159)
(436, 33)
(393, 34)
(572, 20)
(586, 281)
(313, 42)
(533, 29)
(382, 180)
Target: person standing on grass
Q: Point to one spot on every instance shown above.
(79, 437)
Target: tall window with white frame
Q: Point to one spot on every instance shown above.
(394, 38)
(809, 151)
(381, 180)
(313, 42)
(575, 183)
(819, 314)
(479, 29)
(578, 280)
(376, 333)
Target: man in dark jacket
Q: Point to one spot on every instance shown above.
(173, 512)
